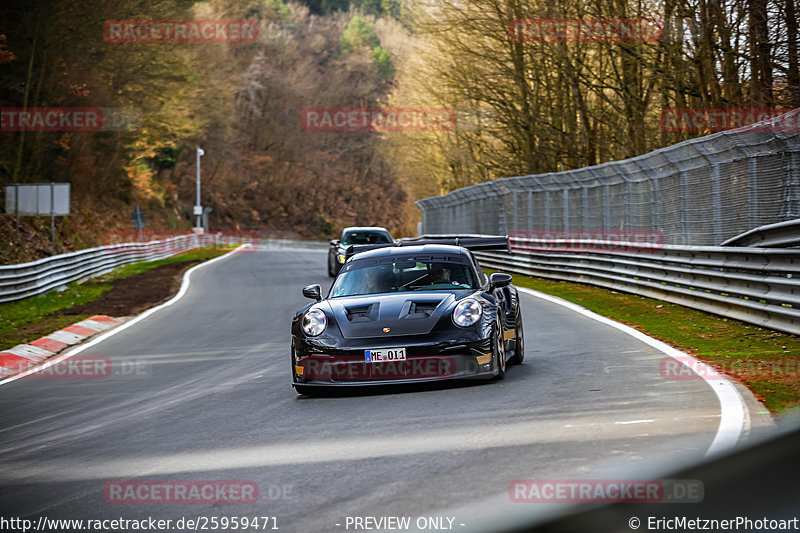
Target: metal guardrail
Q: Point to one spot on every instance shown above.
(36, 277)
(780, 235)
(755, 285)
(288, 243)
(29, 279)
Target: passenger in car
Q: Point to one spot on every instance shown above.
(440, 275)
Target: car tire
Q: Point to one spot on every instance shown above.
(519, 342)
(499, 352)
(331, 272)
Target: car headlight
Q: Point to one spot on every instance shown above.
(314, 322)
(341, 259)
(467, 313)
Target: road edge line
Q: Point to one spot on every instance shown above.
(185, 282)
(733, 414)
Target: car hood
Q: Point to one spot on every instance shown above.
(409, 313)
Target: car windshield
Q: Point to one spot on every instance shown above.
(402, 275)
(366, 237)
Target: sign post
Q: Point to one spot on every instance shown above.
(52, 218)
(138, 218)
(198, 209)
(40, 199)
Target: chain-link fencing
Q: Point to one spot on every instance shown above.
(699, 192)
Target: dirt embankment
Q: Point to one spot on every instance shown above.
(127, 296)
(134, 294)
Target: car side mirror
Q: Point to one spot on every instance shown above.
(335, 242)
(499, 280)
(313, 291)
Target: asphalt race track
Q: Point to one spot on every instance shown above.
(201, 391)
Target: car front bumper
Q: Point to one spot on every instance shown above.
(423, 363)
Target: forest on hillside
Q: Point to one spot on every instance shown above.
(518, 100)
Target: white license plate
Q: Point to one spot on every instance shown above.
(385, 354)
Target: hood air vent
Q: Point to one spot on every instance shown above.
(362, 313)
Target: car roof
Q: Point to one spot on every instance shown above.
(365, 228)
(406, 250)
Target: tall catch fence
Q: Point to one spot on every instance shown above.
(710, 223)
(699, 192)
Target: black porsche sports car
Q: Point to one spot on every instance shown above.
(354, 236)
(411, 311)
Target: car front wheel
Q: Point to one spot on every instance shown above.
(519, 342)
(331, 269)
(499, 353)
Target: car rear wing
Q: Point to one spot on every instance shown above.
(471, 242)
(354, 249)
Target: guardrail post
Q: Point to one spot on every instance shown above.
(628, 204)
(685, 223)
(716, 190)
(656, 221)
(585, 206)
(530, 210)
(451, 213)
(513, 225)
(716, 195)
(752, 176)
(547, 210)
(792, 198)
(653, 179)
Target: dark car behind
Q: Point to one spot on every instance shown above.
(354, 236)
